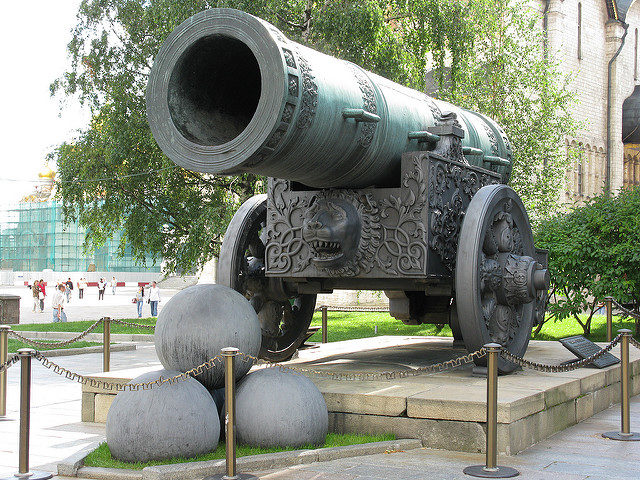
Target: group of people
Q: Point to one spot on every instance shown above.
(151, 295)
(63, 291)
(38, 291)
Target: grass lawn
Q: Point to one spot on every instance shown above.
(15, 345)
(101, 457)
(350, 325)
(81, 326)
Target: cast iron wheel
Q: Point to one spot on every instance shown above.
(284, 318)
(498, 281)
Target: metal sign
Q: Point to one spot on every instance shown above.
(583, 348)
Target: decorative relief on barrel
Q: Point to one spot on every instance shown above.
(368, 129)
(451, 187)
(293, 85)
(288, 57)
(309, 94)
(403, 250)
(492, 139)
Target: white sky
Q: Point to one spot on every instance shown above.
(33, 41)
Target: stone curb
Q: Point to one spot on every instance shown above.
(70, 465)
(79, 351)
(91, 337)
(198, 470)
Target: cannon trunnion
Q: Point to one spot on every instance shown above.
(371, 186)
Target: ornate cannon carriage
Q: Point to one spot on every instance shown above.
(371, 186)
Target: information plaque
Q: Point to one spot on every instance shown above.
(583, 348)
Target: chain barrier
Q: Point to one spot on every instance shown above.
(37, 343)
(625, 311)
(388, 375)
(59, 370)
(567, 367)
(634, 342)
(331, 308)
(12, 361)
(130, 324)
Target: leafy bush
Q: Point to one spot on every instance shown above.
(594, 251)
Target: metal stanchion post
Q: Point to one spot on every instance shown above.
(491, 469)
(229, 355)
(106, 344)
(325, 334)
(625, 434)
(608, 301)
(4, 354)
(25, 405)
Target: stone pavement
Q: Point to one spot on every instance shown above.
(88, 308)
(56, 432)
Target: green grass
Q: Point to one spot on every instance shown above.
(15, 345)
(81, 326)
(351, 325)
(101, 457)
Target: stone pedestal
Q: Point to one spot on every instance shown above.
(9, 309)
(445, 410)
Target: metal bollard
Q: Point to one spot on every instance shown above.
(25, 355)
(106, 344)
(491, 469)
(325, 334)
(229, 354)
(608, 301)
(625, 434)
(4, 354)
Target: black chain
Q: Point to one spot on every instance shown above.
(130, 324)
(11, 361)
(625, 311)
(37, 343)
(567, 367)
(388, 375)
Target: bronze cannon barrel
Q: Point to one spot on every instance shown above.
(229, 93)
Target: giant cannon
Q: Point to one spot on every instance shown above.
(371, 185)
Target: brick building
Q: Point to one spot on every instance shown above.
(596, 41)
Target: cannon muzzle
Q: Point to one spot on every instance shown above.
(229, 93)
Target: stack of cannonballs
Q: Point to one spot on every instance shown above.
(182, 419)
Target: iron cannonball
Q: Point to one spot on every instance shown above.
(280, 409)
(201, 320)
(170, 420)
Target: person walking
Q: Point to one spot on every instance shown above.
(58, 303)
(68, 289)
(82, 284)
(114, 284)
(140, 300)
(102, 286)
(35, 292)
(154, 298)
(42, 294)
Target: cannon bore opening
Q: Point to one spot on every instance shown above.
(214, 90)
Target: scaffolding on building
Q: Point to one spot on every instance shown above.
(33, 237)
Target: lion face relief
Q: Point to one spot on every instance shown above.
(331, 228)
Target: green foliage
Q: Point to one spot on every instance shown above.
(113, 176)
(594, 251)
(498, 67)
(101, 456)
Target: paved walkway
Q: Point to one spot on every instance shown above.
(576, 453)
(88, 308)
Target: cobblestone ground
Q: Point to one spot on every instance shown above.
(576, 453)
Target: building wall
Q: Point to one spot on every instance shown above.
(587, 67)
